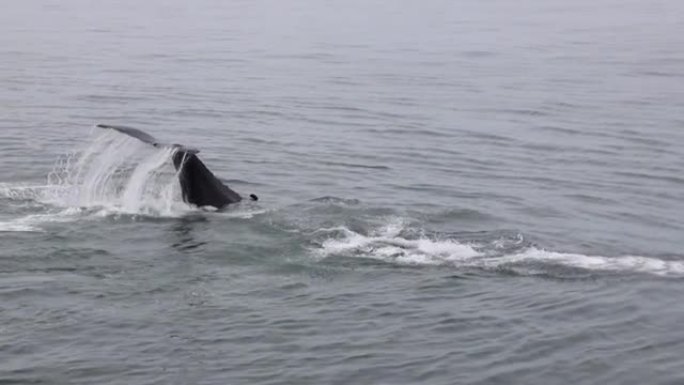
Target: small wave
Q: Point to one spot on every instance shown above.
(11, 227)
(32, 222)
(335, 200)
(355, 165)
(244, 213)
(394, 244)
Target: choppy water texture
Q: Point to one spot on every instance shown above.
(452, 192)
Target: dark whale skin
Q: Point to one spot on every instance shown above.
(199, 185)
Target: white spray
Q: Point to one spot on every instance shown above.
(119, 174)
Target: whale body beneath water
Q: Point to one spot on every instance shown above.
(199, 186)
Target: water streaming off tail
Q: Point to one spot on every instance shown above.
(117, 173)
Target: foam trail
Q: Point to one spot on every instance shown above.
(387, 244)
(634, 264)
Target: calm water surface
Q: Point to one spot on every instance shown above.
(452, 192)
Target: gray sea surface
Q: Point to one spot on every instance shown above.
(452, 192)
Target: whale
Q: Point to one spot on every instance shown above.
(199, 186)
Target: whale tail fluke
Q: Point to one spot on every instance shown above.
(146, 138)
(199, 186)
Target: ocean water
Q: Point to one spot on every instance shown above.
(452, 192)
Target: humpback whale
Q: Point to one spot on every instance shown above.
(199, 186)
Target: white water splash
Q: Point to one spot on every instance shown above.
(118, 174)
(388, 245)
(114, 174)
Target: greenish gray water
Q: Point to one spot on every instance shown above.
(451, 192)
